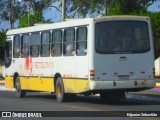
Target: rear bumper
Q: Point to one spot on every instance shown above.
(122, 84)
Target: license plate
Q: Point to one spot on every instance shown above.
(123, 77)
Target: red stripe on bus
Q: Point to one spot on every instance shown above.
(2, 83)
(142, 72)
(157, 86)
(132, 73)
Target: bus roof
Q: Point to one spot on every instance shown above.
(70, 23)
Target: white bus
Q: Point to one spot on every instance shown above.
(107, 56)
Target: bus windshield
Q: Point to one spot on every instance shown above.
(122, 37)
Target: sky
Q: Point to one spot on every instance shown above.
(55, 15)
(154, 7)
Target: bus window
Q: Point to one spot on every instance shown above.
(56, 47)
(112, 39)
(69, 37)
(81, 43)
(45, 44)
(16, 46)
(8, 54)
(25, 45)
(35, 44)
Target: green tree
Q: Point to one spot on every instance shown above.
(155, 20)
(82, 8)
(2, 45)
(129, 7)
(116, 9)
(10, 11)
(2, 39)
(38, 5)
(33, 19)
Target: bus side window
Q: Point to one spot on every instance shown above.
(56, 46)
(25, 45)
(45, 44)
(8, 54)
(16, 46)
(35, 44)
(81, 42)
(69, 41)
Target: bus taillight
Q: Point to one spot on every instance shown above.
(92, 72)
(131, 73)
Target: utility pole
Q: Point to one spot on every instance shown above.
(63, 10)
(105, 8)
(11, 17)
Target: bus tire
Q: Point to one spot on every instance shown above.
(19, 92)
(60, 94)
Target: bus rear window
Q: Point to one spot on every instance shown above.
(113, 37)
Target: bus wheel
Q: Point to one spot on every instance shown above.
(60, 95)
(19, 93)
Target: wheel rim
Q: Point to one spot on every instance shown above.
(59, 90)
